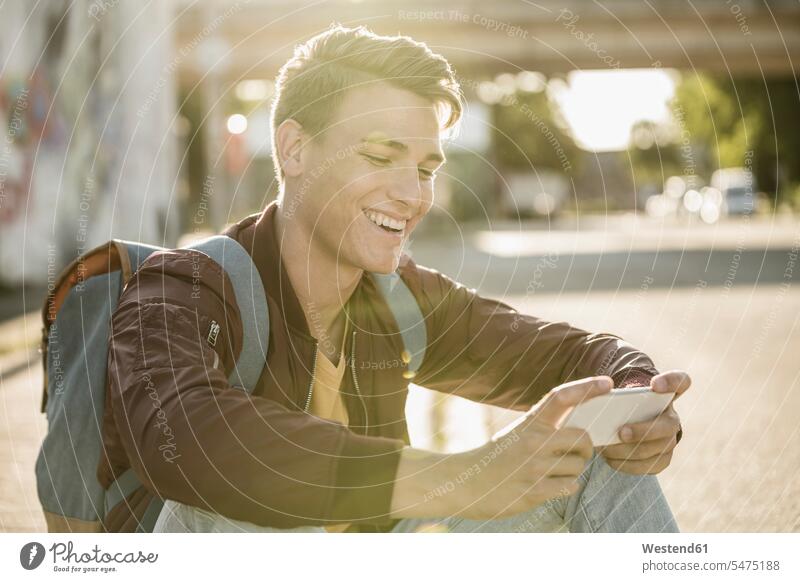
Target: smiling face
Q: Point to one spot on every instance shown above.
(367, 181)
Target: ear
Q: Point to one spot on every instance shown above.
(290, 141)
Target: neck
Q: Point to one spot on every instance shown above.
(322, 283)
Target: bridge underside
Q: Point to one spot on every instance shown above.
(547, 36)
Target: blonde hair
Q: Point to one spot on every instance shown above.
(312, 84)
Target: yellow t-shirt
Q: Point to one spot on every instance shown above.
(326, 398)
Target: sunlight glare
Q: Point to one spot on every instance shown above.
(602, 106)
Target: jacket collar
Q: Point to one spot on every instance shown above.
(257, 233)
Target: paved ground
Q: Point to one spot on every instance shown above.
(721, 302)
(738, 466)
(729, 315)
(21, 432)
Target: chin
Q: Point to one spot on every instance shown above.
(384, 271)
(381, 266)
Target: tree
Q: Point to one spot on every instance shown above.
(528, 134)
(728, 118)
(654, 153)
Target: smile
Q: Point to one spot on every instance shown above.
(387, 223)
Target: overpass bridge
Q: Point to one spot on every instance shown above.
(741, 37)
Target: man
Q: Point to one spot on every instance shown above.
(322, 443)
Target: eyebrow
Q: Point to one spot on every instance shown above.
(379, 139)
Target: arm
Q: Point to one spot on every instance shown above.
(192, 438)
(485, 350)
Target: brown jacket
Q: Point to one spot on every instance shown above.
(172, 416)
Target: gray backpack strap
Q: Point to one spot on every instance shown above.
(252, 302)
(121, 489)
(408, 316)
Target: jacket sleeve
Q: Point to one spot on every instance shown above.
(485, 350)
(191, 437)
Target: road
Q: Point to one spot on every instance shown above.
(720, 302)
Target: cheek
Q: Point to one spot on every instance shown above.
(425, 204)
(427, 198)
(363, 181)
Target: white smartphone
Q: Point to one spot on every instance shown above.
(603, 416)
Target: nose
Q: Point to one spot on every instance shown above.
(405, 186)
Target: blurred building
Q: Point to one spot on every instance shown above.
(90, 148)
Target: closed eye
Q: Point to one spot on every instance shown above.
(377, 160)
(385, 162)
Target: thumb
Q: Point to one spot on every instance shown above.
(560, 400)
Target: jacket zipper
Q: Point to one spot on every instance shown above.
(355, 384)
(311, 384)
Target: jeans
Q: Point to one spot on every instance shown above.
(607, 501)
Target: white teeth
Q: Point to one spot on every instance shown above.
(383, 220)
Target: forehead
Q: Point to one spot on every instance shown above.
(383, 110)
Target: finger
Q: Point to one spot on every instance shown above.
(639, 451)
(561, 466)
(565, 441)
(559, 401)
(662, 426)
(561, 441)
(649, 466)
(676, 381)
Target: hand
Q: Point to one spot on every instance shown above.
(647, 449)
(522, 467)
(539, 461)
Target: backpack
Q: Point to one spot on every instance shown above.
(75, 337)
